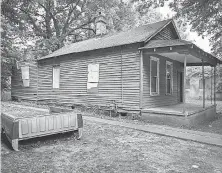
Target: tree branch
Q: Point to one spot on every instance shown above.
(79, 27)
(38, 31)
(90, 29)
(55, 22)
(68, 18)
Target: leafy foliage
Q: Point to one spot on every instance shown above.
(54, 23)
(45, 26)
(9, 52)
(205, 17)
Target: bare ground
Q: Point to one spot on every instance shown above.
(106, 148)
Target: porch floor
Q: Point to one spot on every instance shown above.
(178, 109)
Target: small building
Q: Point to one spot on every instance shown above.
(194, 88)
(142, 68)
(24, 81)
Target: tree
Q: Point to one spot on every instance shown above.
(9, 52)
(205, 17)
(50, 24)
(54, 23)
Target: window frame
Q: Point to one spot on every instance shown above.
(152, 58)
(28, 77)
(171, 78)
(56, 66)
(89, 90)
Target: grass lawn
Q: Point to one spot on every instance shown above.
(107, 148)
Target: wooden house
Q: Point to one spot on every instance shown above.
(24, 81)
(141, 68)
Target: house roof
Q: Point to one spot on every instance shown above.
(153, 44)
(165, 43)
(136, 35)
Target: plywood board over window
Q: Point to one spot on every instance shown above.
(169, 77)
(154, 76)
(93, 78)
(55, 76)
(25, 75)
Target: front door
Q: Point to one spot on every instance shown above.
(180, 86)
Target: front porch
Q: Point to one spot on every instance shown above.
(174, 107)
(188, 114)
(181, 109)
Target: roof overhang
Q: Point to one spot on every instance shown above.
(179, 49)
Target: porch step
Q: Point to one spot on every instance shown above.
(163, 112)
(172, 118)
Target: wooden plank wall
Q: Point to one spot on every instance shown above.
(73, 77)
(17, 88)
(162, 99)
(167, 33)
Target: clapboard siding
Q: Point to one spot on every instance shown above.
(162, 99)
(167, 33)
(17, 88)
(112, 82)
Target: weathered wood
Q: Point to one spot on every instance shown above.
(22, 128)
(118, 78)
(162, 99)
(211, 85)
(17, 88)
(141, 79)
(198, 64)
(184, 83)
(203, 85)
(166, 34)
(215, 85)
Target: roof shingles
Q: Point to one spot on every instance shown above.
(139, 34)
(165, 43)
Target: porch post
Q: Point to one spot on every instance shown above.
(203, 84)
(211, 85)
(141, 79)
(184, 83)
(215, 85)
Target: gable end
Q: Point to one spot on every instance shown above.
(167, 33)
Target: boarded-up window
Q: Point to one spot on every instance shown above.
(93, 78)
(154, 76)
(55, 76)
(169, 77)
(25, 75)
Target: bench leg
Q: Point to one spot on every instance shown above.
(15, 144)
(80, 131)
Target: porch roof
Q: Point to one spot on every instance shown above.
(177, 50)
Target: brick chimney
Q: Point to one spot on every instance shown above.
(100, 23)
